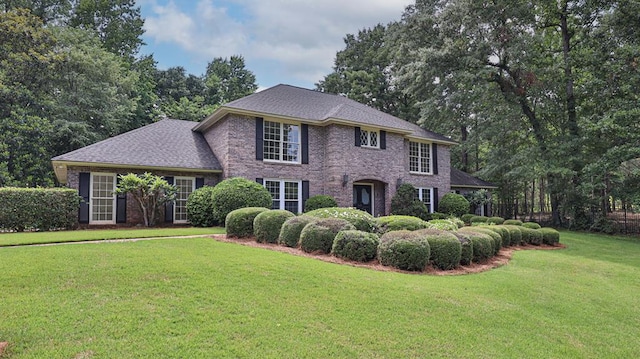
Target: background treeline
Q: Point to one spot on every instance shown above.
(71, 74)
(543, 96)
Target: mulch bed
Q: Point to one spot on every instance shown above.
(499, 260)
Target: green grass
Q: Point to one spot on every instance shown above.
(13, 239)
(198, 298)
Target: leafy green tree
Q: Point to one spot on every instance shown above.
(150, 192)
(406, 202)
(227, 80)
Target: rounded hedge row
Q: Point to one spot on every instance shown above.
(479, 219)
(445, 248)
(318, 236)
(466, 218)
(513, 222)
(483, 246)
(319, 201)
(200, 207)
(239, 222)
(466, 253)
(550, 236)
(235, 193)
(515, 234)
(291, 229)
(532, 225)
(398, 222)
(495, 220)
(362, 220)
(503, 232)
(531, 236)
(355, 245)
(495, 236)
(267, 225)
(442, 224)
(404, 250)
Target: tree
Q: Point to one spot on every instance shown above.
(227, 80)
(150, 192)
(406, 202)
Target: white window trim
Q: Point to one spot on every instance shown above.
(430, 197)
(369, 131)
(373, 194)
(114, 212)
(193, 188)
(299, 160)
(282, 197)
(430, 170)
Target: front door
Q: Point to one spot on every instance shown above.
(363, 197)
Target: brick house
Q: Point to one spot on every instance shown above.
(296, 142)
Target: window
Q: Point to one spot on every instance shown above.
(184, 187)
(285, 194)
(426, 196)
(103, 198)
(281, 142)
(369, 138)
(419, 157)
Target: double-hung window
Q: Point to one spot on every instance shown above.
(426, 196)
(184, 187)
(369, 138)
(103, 199)
(281, 142)
(420, 157)
(286, 194)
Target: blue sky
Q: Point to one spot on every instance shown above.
(282, 41)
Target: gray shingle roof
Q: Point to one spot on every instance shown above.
(315, 106)
(463, 179)
(166, 143)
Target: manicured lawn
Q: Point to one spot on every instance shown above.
(12, 239)
(198, 298)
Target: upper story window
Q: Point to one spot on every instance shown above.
(369, 138)
(420, 157)
(281, 142)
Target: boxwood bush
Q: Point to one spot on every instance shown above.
(550, 236)
(513, 222)
(318, 236)
(515, 234)
(395, 223)
(466, 253)
(504, 234)
(291, 229)
(38, 208)
(532, 225)
(405, 203)
(200, 207)
(239, 222)
(445, 247)
(355, 245)
(479, 219)
(267, 225)
(482, 246)
(362, 220)
(237, 192)
(495, 220)
(495, 236)
(531, 236)
(453, 204)
(404, 250)
(466, 218)
(319, 201)
(442, 224)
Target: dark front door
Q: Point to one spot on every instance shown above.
(363, 197)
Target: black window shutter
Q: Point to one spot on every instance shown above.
(305, 193)
(435, 200)
(383, 140)
(199, 182)
(259, 138)
(83, 189)
(305, 144)
(434, 152)
(168, 207)
(357, 131)
(260, 180)
(121, 205)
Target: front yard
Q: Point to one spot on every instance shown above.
(196, 297)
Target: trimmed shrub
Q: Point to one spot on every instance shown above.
(479, 219)
(457, 221)
(453, 204)
(237, 192)
(466, 218)
(535, 237)
(404, 250)
(319, 201)
(291, 229)
(355, 245)
(38, 208)
(405, 203)
(512, 222)
(504, 234)
(239, 222)
(318, 236)
(495, 220)
(514, 233)
(442, 224)
(466, 253)
(395, 223)
(482, 246)
(532, 225)
(267, 225)
(200, 207)
(362, 220)
(549, 236)
(445, 248)
(438, 215)
(495, 236)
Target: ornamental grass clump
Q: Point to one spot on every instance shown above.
(466, 252)
(446, 249)
(318, 236)
(291, 229)
(355, 245)
(515, 234)
(404, 250)
(267, 225)
(239, 222)
(362, 220)
(395, 223)
(549, 236)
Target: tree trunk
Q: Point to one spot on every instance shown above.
(465, 152)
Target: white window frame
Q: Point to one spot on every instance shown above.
(365, 138)
(421, 197)
(281, 142)
(175, 204)
(282, 199)
(421, 155)
(92, 198)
